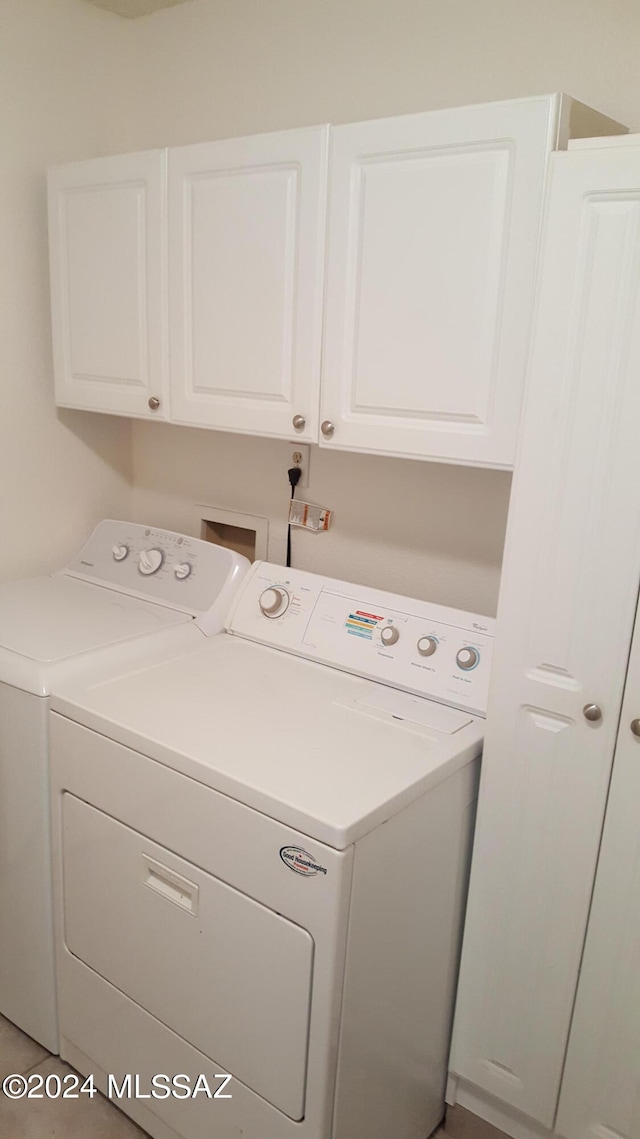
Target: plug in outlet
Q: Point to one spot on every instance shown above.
(298, 456)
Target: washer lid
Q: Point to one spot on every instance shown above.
(46, 620)
(298, 741)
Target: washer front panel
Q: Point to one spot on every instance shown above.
(26, 923)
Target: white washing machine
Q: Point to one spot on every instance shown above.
(133, 594)
(260, 862)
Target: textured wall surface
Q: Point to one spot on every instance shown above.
(59, 100)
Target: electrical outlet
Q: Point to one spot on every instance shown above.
(298, 456)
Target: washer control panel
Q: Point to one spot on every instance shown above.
(159, 565)
(430, 650)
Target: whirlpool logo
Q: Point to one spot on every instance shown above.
(300, 861)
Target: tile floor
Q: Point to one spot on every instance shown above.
(97, 1118)
(463, 1124)
(82, 1118)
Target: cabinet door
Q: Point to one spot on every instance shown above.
(570, 578)
(246, 238)
(433, 233)
(601, 1086)
(108, 284)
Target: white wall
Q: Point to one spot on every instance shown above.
(426, 529)
(61, 97)
(213, 68)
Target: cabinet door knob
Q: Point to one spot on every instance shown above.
(327, 428)
(592, 713)
(635, 727)
(154, 403)
(299, 422)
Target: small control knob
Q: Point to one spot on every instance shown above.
(389, 635)
(182, 570)
(467, 658)
(273, 601)
(120, 553)
(427, 646)
(150, 561)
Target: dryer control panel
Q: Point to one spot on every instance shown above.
(427, 649)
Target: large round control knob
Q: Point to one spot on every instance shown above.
(427, 646)
(150, 561)
(389, 635)
(273, 601)
(120, 553)
(467, 658)
(182, 570)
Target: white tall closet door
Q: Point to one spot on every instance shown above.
(107, 222)
(600, 1096)
(570, 575)
(434, 222)
(246, 238)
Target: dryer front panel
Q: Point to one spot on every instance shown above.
(220, 969)
(143, 857)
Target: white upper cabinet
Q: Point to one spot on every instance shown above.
(427, 280)
(246, 243)
(567, 602)
(433, 235)
(108, 284)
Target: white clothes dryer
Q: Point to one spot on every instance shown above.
(133, 595)
(260, 863)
